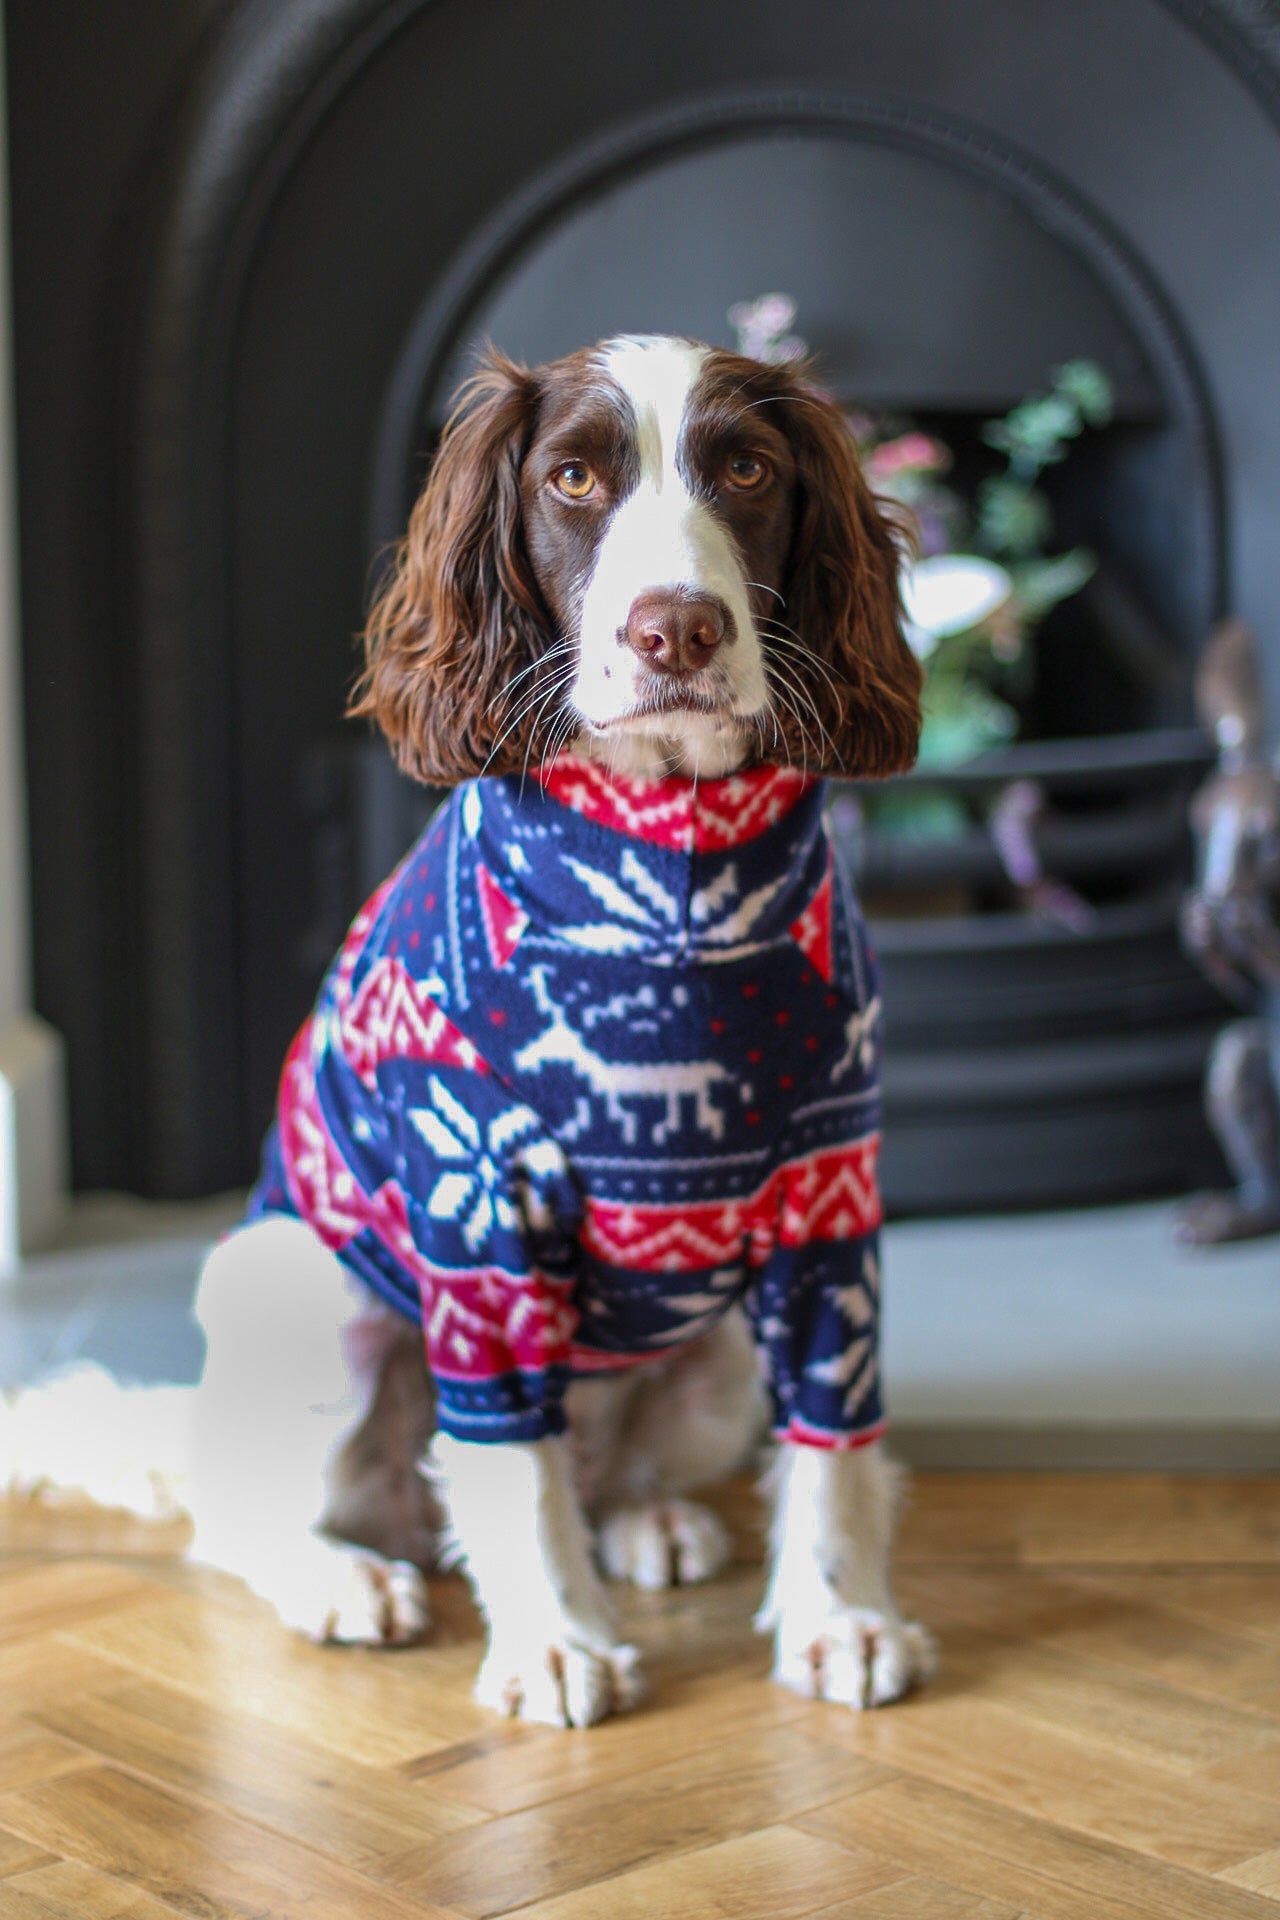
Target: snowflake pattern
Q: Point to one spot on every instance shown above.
(478, 1189)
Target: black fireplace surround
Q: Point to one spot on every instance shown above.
(252, 245)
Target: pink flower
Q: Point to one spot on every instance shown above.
(909, 453)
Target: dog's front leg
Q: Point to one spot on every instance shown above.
(838, 1633)
(292, 1372)
(553, 1652)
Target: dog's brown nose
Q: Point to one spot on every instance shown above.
(675, 633)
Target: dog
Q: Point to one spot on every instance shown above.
(587, 1108)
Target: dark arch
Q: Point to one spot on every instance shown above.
(275, 80)
(626, 151)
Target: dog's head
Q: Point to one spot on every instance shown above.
(650, 543)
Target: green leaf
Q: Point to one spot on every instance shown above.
(1088, 387)
(1037, 432)
(1038, 585)
(1012, 518)
(962, 719)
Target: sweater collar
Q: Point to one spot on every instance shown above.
(657, 868)
(681, 815)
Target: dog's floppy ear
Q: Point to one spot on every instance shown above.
(842, 600)
(460, 615)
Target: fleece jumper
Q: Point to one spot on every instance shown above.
(598, 1062)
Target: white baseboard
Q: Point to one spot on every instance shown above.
(33, 1137)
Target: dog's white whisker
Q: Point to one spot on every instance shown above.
(801, 652)
(561, 648)
(530, 702)
(793, 695)
(553, 694)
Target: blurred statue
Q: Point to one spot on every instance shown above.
(1231, 927)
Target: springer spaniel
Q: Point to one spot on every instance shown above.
(588, 1102)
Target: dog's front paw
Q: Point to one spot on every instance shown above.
(559, 1681)
(856, 1657)
(670, 1543)
(337, 1593)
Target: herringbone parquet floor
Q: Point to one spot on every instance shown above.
(1104, 1743)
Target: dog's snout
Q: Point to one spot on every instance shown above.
(676, 633)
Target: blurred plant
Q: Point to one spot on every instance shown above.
(1038, 432)
(984, 582)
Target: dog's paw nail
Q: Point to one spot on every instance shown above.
(860, 1659)
(338, 1594)
(565, 1686)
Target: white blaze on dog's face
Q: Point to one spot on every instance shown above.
(665, 537)
(677, 502)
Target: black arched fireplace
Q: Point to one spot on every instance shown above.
(342, 197)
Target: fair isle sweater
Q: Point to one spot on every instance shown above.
(596, 1063)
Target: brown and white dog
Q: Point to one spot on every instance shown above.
(667, 556)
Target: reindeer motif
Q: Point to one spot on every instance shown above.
(671, 1082)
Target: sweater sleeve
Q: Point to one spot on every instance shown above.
(815, 1304)
(443, 1192)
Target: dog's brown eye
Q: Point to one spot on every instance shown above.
(746, 470)
(574, 480)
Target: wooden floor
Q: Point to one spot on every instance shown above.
(1104, 1743)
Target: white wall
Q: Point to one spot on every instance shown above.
(32, 1128)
